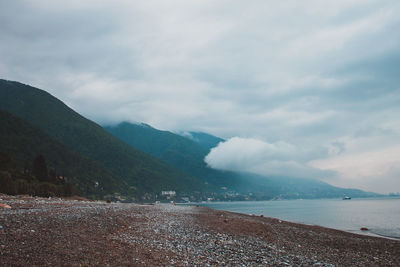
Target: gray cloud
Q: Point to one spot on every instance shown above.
(256, 156)
(313, 74)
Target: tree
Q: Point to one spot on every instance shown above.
(7, 184)
(6, 162)
(39, 169)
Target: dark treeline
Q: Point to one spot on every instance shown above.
(34, 179)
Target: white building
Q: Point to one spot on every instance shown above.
(168, 193)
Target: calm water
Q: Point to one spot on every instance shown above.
(381, 216)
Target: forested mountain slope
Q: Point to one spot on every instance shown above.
(140, 170)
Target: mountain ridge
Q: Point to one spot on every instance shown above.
(206, 140)
(173, 149)
(138, 169)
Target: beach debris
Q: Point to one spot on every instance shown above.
(364, 229)
(1, 227)
(5, 206)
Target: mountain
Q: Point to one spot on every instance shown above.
(174, 149)
(23, 142)
(141, 171)
(294, 188)
(183, 153)
(139, 159)
(186, 151)
(207, 141)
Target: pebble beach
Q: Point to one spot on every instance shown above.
(67, 232)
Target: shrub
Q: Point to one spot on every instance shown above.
(45, 190)
(7, 184)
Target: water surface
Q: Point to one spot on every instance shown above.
(380, 215)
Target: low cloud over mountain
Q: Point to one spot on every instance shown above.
(256, 156)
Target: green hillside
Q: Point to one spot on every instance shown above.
(138, 169)
(173, 149)
(23, 142)
(185, 154)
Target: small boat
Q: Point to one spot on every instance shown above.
(346, 198)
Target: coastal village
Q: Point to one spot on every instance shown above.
(195, 197)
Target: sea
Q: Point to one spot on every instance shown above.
(380, 215)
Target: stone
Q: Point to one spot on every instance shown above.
(5, 206)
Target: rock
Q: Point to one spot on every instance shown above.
(5, 206)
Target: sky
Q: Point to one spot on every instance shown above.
(301, 88)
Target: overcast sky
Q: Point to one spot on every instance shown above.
(303, 88)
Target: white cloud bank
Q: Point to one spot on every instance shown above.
(256, 156)
(368, 163)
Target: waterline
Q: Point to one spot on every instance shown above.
(380, 215)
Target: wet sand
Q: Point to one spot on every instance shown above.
(41, 232)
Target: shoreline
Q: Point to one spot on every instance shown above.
(377, 228)
(369, 233)
(38, 231)
(358, 232)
